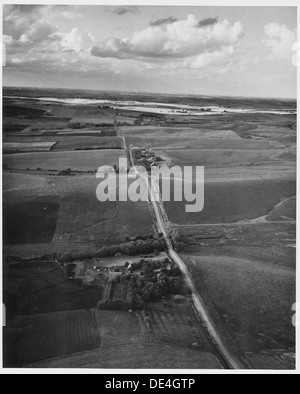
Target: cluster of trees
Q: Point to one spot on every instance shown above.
(69, 172)
(177, 243)
(151, 286)
(155, 264)
(144, 237)
(133, 248)
(98, 148)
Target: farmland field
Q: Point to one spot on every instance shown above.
(127, 334)
(49, 336)
(259, 324)
(233, 201)
(66, 143)
(61, 161)
(79, 218)
(240, 250)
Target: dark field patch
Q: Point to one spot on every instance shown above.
(15, 111)
(13, 128)
(35, 288)
(29, 222)
(36, 338)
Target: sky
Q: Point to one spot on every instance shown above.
(231, 51)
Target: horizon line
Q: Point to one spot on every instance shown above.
(151, 93)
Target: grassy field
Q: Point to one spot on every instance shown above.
(253, 299)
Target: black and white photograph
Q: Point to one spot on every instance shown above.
(149, 189)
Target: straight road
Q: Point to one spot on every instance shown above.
(203, 313)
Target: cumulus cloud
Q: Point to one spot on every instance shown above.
(179, 40)
(280, 39)
(207, 22)
(206, 59)
(164, 21)
(123, 10)
(77, 40)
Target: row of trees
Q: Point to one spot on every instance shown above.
(133, 248)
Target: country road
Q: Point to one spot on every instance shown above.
(203, 314)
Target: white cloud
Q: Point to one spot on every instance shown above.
(280, 40)
(77, 40)
(206, 59)
(179, 40)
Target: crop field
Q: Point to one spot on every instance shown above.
(178, 132)
(221, 157)
(286, 210)
(178, 325)
(30, 146)
(240, 250)
(127, 334)
(93, 119)
(86, 132)
(79, 220)
(272, 243)
(67, 143)
(39, 288)
(183, 142)
(29, 222)
(49, 336)
(13, 128)
(75, 160)
(232, 201)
